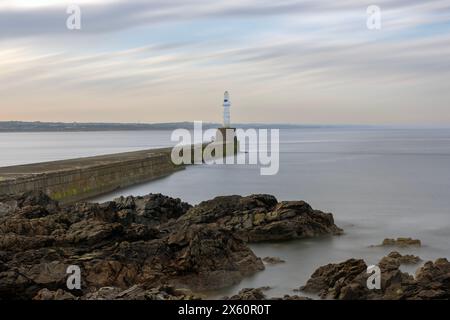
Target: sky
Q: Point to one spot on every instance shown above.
(283, 61)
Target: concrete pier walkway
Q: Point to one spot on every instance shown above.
(82, 178)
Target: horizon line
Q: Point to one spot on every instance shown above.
(286, 124)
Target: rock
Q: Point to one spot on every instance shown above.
(259, 218)
(15, 286)
(59, 294)
(116, 244)
(258, 294)
(211, 258)
(348, 280)
(403, 259)
(249, 294)
(138, 292)
(153, 208)
(148, 247)
(294, 297)
(92, 232)
(328, 281)
(30, 199)
(401, 242)
(104, 293)
(273, 260)
(135, 292)
(6, 207)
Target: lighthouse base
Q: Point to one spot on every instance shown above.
(227, 137)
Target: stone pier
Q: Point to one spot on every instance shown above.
(79, 179)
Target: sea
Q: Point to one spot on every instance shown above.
(379, 182)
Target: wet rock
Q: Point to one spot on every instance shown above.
(7, 207)
(133, 247)
(398, 259)
(15, 286)
(211, 258)
(249, 294)
(138, 292)
(273, 260)
(258, 294)
(259, 218)
(401, 242)
(329, 280)
(433, 280)
(26, 202)
(294, 297)
(59, 294)
(92, 232)
(348, 280)
(152, 209)
(115, 244)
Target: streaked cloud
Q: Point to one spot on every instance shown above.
(291, 61)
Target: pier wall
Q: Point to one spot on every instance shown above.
(79, 179)
(70, 185)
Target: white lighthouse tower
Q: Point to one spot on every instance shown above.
(227, 135)
(226, 109)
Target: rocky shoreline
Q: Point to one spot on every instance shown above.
(159, 248)
(348, 280)
(151, 247)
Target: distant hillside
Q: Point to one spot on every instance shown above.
(20, 126)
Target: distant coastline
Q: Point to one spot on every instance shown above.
(38, 126)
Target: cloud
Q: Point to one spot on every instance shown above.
(110, 16)
(338, 62)
(282, 52)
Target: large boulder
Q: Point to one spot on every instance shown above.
(329, 281)
(400, 242)
(249, 294)
(30, 204)
(348, 280)
(151, 209)
(259, 218)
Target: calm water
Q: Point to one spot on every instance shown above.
(378, 183)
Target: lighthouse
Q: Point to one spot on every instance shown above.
(227, 135)
(226, 109)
